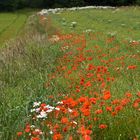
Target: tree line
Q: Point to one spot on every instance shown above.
(19, 4)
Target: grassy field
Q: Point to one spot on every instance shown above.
(11, 24)
(73, 76)
(124, 22)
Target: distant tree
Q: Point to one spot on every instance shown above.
(62, 3)
(9, 4)
(76, 3)
(35, 3)
(137, 2)
(22, 3)
(48, 3)
(111, 2)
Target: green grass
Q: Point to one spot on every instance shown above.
(122, 21)
(123, 24)
(24, 68)
(12, 24)
(27, 64)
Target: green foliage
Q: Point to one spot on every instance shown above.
(138, 2)
(48, 3)
(35, 3)
(76, 2)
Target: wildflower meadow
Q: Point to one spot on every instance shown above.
(77, 79)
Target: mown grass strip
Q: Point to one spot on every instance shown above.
(7, 27)
(14, 28)
(11, 24)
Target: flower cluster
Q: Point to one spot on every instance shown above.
(90, 103)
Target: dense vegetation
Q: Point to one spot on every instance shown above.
(17, 4)
(83, 78)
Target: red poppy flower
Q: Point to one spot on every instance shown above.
(35, 138)
(86, 137)
(128, 95)
(19, 134)
(118, 108)
(102, 126)
(84, 131)
(93, 100)
(86, 112)
(27, 129)
(57, 137)
(109, 108)
(107, 95)
(99, 111)
(70, 138)
(64, 120)
(88, 84)
(75, 114)
(131, 67)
